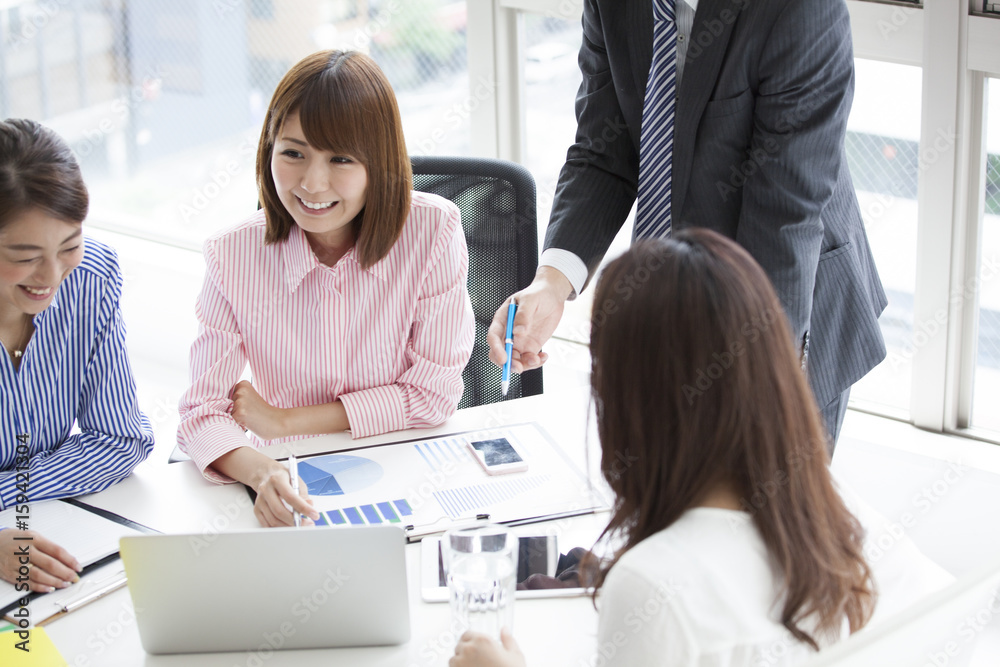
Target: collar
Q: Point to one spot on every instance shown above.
(300, 260)
(693, 4)
(41, 318)
(55, 299)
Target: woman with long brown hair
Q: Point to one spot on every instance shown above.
(733, 546)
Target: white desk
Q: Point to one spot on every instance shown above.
(175, 498)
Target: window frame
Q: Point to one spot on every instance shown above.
(956, 58)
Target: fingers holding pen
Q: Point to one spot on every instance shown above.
(276, 500)
(496, 337)
(539, 309)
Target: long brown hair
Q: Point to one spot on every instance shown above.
(345, 105)
(38, 170)
(696, 378)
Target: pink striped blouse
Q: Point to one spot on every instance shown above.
(389, 342)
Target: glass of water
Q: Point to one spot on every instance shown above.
(481, 568)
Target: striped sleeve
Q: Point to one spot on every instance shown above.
(114, 435)
(442, 334)
(207, 429)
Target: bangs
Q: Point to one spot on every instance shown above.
(336, 115)
(345, 106)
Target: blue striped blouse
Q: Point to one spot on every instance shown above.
(75, 370)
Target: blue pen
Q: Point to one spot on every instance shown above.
(509, 343)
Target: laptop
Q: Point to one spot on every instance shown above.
(279, 588)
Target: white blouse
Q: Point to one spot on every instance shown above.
(702, 593)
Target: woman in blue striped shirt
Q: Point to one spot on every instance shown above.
(63, 362)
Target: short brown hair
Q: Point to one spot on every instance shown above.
(696, 378)
(345, 105)
(38, 170)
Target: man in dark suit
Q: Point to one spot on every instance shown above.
(763, 95)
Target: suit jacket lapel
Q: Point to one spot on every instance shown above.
(706, 48)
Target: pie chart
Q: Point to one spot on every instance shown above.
(337, 474)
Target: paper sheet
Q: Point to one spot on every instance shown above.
(42, 652)
(435, 484)
(88, 536)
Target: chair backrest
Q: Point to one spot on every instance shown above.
(497, 201)
(942, 629)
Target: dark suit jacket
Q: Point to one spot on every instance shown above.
(758, 156)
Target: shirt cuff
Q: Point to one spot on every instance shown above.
(374, 411)
(569, 265)
(214, 440)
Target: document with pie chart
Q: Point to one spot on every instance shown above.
(430, 485)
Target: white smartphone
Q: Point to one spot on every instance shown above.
(497, 456)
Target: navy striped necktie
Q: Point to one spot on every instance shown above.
(656, 141)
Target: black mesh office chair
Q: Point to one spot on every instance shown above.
(497, 200)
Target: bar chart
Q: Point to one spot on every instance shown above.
(453, 450)
(465, 499)
(394, 511)
(436, 453)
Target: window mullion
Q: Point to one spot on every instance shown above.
(965, 294)
(937, 202)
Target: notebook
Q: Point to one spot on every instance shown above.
(263, 590)
(90, 534)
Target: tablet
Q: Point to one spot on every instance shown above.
(537, 554)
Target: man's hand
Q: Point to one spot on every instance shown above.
(475, 649)
(254, 413)
(539, 309)
(48, 565)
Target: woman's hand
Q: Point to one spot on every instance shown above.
(475, 649)
(254, 413)
(275, 498)
(47, 564)
(276, 501)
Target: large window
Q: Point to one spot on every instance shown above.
(986, 394)
(913, 153)
(551, 80)
(163, 101)
(884, 157)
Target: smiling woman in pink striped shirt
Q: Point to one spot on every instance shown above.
(345, 295)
